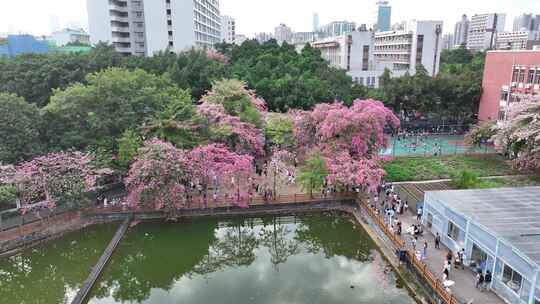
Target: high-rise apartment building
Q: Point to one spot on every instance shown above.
(402, 51)
(228, 29)
(384, 16)
(145, 27)
(315, 22)
(448, 42)
(283, 33)
(526, 22)
(337, 28)
(263, 37)
(483, 29)
(461, 31)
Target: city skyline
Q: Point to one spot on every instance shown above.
(262, 16)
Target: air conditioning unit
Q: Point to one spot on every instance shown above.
(528, 86)
(537, 86)
(514, 84)
(520, 85)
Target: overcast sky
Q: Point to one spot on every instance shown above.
(41, 16)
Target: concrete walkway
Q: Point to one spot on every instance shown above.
(464, 289)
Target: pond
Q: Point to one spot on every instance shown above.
(54, 272)
(308, 259)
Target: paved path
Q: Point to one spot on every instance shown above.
(464, 288)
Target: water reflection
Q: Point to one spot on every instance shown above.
(313, 259)
(54, 272)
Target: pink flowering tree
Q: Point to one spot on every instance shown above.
(164, 177)
(241, 137)
(158, 177)
(348, 138)
(217, 56)
(55, 178)
(519, 135)
(222, 172)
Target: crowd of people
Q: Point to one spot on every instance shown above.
(388, 203)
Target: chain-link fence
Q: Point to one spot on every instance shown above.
(433, 145)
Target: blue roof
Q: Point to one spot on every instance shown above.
(23, 44)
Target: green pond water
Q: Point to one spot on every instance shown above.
(53, 273)
(309, 259)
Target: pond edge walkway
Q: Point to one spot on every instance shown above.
(96, 270)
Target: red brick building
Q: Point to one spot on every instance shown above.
(509, 77)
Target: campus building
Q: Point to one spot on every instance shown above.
(483, 29)
(366, 54)
(509, 77)
(145, 27)
(401, 51)
(521, 40)
(352, 52)
(228, 29)
(14, 45)
(500, 232)
(70, 36)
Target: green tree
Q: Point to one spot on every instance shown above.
(313, 174)
(8, 197)
(177, 123)
(279, 130)
(128, 147)
(19, 129)
(193, 70)
(112, 101)
(236, 100)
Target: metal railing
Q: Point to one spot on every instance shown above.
(199, 202)
(420, 267)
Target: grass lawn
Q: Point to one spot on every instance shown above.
(429, 168)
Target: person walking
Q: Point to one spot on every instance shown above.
(437, 241)
(424, 253)
(487, 280)
(419, 214)
(479, 280)
(462, 258)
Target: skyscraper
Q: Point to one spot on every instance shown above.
(526, 22)
(461, 31)
(384, 13)
(315, 22)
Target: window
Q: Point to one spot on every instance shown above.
(530, 78)
(453, 231)
(365, 58)
(512, 278)
(430, 220)
(171, 44)
(504, 95)
(537, 77)
(361, 80)
(515, 75)
(522, 75)
(419, 49)
(169, 22)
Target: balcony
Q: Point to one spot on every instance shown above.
(120, 6)
(121, 29)
(122, 49)
(119, 18)
(121, 39)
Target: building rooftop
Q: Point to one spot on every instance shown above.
(511, 214)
